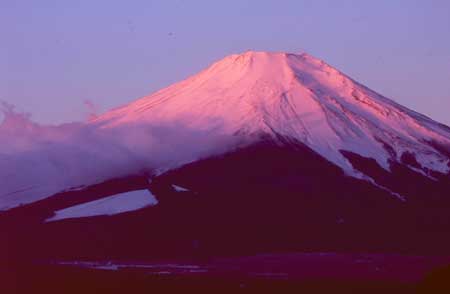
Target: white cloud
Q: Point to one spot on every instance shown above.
(37, 161)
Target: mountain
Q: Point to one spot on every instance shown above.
(309, 159)
(299, 98)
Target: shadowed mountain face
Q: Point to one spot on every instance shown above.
(263, 198)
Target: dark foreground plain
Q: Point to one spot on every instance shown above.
(264, 198)
(274, 273)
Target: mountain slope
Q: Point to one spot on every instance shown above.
(298, 97)
(236, 101)
(310, 160)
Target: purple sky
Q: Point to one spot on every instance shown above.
(55, 55)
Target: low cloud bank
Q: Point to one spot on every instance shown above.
(37, 161)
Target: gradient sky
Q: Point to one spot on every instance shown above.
(55, 55)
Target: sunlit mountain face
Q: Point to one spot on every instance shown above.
(259, 153)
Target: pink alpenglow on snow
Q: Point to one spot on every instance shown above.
(298, 96)
(235, 101)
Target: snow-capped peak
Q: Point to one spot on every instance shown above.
(297, 96)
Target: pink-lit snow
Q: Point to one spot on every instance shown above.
(233, 101)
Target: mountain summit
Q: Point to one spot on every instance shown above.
(299, 98)
(241, 100)
(318, 163)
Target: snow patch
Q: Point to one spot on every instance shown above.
(180, 189)
(112, 205)
(154, 269)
